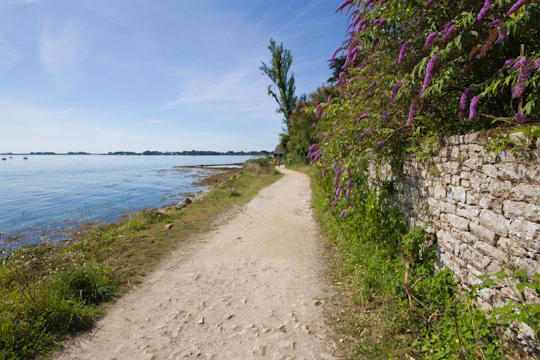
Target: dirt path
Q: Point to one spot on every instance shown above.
(247, 290)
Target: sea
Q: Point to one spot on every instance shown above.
(46, 195)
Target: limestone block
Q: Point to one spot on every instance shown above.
(490, 170)
(448, 241)
(458, 222)
(491, 251)
(470, 138)
(506, 244)
(533, 172)
(485, 202)
(439, 191)
(447, 207)
(455, 180)
(496, 206)
(466, 175)
(447, 178)
(479, 181)
(513, 209)
(473, 256)
(465, 183)
(434, 207)
(483, 234)
(455, 152)
(467, 211)
(494, 222)
(473, 164)
(511, 170)
(532, 212)
(488, 156)
(493, 267)
(524, 230)
(499, 188)
(472, 197)
(457, 193)
(464, 236)
(506, 156)
(525, 192)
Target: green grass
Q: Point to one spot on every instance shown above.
(48, 293)
(391, 303)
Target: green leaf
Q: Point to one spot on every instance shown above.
(457, 41)
(473, 33)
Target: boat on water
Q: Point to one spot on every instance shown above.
(25, 158)
(4, 158)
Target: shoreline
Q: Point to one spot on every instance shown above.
(45, 235)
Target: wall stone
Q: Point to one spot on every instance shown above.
(484, 208)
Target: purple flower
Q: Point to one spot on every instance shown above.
(372, 132)
(323, 114)
(385, 117)
(345, 3)
(523, 76)
(484, 11)
(363, 117)
(324, 173)
(449, 31)
(372, 85)
(362, 136)
(370, 96)
(334, 55)
(519, 64)
(429, 72)
(395, 90)
(314, 126)
(402, 51)
(519, 118)
(496, 23)
(375, 42)
(506, 64)
(341, 75)
(430, 2)
(318, 110)
(538, 63)
(516, 7)
(329, 98)
(342, 213)
(474, 107)
(380, 145)
(412, 112)
(348, 193)
(463, 101)
(430, 38)
(502, 36)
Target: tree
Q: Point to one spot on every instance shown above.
(278, 73)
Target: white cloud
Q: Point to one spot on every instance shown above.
(62, 50)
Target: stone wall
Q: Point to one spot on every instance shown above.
(483, 206)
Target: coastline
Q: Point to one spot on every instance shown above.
(61, 234)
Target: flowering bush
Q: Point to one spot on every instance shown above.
(427, 67)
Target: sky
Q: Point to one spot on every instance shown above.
(165, 75)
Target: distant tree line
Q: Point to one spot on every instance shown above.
(192, 152)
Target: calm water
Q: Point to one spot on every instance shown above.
(55, 191)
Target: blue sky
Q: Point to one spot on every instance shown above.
(133, 75)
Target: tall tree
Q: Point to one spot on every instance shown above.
(278, 72)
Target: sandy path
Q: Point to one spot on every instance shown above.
(247, 290)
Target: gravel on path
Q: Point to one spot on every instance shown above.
(248, 290)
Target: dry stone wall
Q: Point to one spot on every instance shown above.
(483, 206)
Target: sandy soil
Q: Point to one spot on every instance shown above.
(248, 290)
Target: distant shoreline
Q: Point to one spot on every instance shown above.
(151, 153)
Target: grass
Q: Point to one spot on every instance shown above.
(47, 293)
(391, 303)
